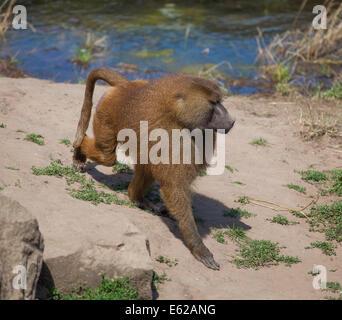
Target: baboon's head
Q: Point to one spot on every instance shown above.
(198, 105)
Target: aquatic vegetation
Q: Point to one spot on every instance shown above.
(157, 53)
(90, 49)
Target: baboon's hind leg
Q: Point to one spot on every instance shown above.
(141, 182)
(100, 149)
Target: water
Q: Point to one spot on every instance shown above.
(157, 37)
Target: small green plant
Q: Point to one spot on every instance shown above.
(239, 182)
(328, 220)
(335, 92)
(202, 174)
(12, 168)
(261, 142)
(17, 184)
(20, 131)
(122, 168)
(281, 220)
(297, 188)
(229, 168)
(236, 233)
(283, 88)
(313, 176)
(336, 178)
(219, 236)
(242, 199)
(160, 278)
(1, 188)
(238, 212)
(170, 263)
(108, 289)
(35, 138)
(261, 253)
(327, 248)
(65, 141)
(3, 126)
(334, 287)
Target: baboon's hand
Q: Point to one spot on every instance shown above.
(202, 254)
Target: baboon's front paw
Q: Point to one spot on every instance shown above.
(206, 257)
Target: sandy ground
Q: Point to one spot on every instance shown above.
(52, 110)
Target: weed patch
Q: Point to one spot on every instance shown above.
(281, 220)
(108, 289)
(327, 247)
(87, 190)
(170, 263)
(238, 212)
(297, 188)
(261, 142)
(122, 168)
(35, 138)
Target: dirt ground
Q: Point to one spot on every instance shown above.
(52, 110)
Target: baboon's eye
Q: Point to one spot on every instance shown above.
(213, 102)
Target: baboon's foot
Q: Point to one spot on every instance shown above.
(156, 208)
(79, 160)
(203, 254)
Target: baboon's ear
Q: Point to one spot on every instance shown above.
(207, 86)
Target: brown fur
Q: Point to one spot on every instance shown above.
(172, 102)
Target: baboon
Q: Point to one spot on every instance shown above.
(172, 102)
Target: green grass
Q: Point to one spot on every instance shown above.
(170, 263)
(86, 190)
(219, 236)
(281, 220)
(327, 219)
(259, 142)
(236, 233)
(65, 141)
(313, 176)
(242, 199)
(160, 278)
(297, 188)
(254, 253)
(330, 180)
(12, 168)
(327, 248)
(1, 188)
(202, 174)
(122, 168)
(336, 179)
(239, 182)
(3, 126)
(238, 212)
(334, 287)
(108, 289)
(35, 138)
(229, 168)
(21, 131)
(262, 253)
(335, 92)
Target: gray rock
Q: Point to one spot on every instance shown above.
(21, 244)
(83, 241)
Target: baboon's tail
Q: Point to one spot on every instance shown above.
(110, 77)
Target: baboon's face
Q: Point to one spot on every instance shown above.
(200, 107)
